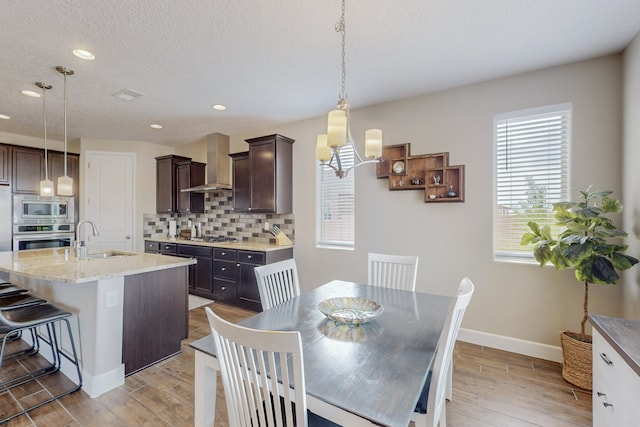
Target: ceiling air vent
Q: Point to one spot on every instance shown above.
(128, 94)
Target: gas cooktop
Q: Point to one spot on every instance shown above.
(214, 239)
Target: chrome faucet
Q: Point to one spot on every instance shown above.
(81, 249)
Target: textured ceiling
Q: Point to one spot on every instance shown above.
(274, 61)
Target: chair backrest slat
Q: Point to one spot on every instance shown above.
(444, 355)
(393, 271)
(277, 282)
(262, 374)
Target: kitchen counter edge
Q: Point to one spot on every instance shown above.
(623, 335)
(241, 245)
(54, 265)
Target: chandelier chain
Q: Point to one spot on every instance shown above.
(341, 27)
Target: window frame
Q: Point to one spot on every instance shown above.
(564, 152)
(343, 188)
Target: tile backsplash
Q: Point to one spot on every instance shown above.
(219, 219)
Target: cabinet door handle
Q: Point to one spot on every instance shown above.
(224, 288)
(223, 268)
(606, 359)
(248, 256)
(224, 254)
(604, 403)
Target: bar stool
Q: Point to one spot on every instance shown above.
(31, 317)
(20, 300)
(9, 289)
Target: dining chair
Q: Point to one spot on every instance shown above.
(393, 271)
(431, 409)
(263, 375)
(277, 282)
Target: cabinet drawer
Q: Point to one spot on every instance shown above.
(195, 251)
(224, 270)
(225, 254)
(150, 246)
(248, 257)
(168, 248)
(224, 290)
(615, 386)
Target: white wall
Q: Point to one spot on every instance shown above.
(455, 240)
(632, 173)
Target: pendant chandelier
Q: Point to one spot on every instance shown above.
(65, 183)
(339, 128)
(46, 185)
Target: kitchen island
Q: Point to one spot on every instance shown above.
(129, 309)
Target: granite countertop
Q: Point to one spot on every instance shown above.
(240, 245)
(623, 335)
(61, 265)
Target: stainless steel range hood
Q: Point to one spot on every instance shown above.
(218, 165)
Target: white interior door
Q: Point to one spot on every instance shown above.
(109, 200)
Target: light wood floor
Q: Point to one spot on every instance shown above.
(490, 388)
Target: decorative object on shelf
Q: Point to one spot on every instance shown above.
(436, 179)
(46, 185)
(451, 192)
(585, 245)
(351, 310)
(398, 167)
(65, 183)
(339, 127)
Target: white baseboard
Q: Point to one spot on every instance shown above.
(514, 345)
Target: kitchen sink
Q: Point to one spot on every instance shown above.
(109, 254)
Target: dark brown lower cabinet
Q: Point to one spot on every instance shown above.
(155, 317)
(199, 274)
(234, 281)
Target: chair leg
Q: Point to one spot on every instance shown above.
(449, 392)
(58, 354)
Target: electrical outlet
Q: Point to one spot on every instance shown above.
(112, 299)
(266, 226)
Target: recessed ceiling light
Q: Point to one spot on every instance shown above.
(156, 126)
(219, 107)
(2, 116)
(31, 93)
(84, 54)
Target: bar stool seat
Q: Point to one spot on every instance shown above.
(44, 316)
(21, 300)
(9, 289)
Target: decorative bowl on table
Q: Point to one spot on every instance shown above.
(351, 310)
(346, 332)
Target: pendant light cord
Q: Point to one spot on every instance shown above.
(65, 124)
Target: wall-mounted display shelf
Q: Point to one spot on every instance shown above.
(393, 160)
(430, 173)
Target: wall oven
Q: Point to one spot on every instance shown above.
(42, 222)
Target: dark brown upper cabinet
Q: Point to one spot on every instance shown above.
(189, 174)
(28, 169)
(166, 183)
(262, 177)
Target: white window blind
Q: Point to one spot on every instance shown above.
(335, 204)
(532, 173)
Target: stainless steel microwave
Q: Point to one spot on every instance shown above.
(36, 209)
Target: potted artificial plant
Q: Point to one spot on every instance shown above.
(586, 244)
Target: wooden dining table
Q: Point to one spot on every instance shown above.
(366, 375)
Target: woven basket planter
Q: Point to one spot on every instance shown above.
(577, 355)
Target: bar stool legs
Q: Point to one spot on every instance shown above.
(44, 317)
